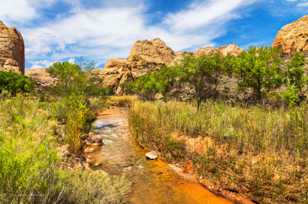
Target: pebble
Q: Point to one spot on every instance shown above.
(152, 155)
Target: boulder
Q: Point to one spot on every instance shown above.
(12, 50)
(152, 155)
(293, 37)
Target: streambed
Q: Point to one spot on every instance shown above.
(153, 182)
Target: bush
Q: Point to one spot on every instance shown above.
(15, 83)
(73, 111)
(27, 152)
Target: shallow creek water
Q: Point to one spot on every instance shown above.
(154, 182)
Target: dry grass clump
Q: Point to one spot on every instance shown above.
(257, 152)
(121, 101)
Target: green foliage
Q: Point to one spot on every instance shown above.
(291, 96)
(71, 79)
(295, 80)
(15, 83)
(203, 74)
(295, 75)
(259, 69)
(27, 153)
(157, 82)
(73, 111)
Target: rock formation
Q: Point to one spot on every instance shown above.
(146, 56)
(230, 49)
(293, 37)
(41, 77)
(152, 51)
(12, 50)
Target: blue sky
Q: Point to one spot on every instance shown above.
(57, 30)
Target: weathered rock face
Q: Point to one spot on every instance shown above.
(41, 77)
(12, 49)
(152, 51)
(293, 37)
(231, 49)
(146, 56)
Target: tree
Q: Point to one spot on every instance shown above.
(203, 74)
(156, 82)
(70, 78)
(260, 70)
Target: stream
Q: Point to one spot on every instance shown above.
(153, 182)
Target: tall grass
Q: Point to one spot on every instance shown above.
(29, 168)
(257, 152)
(27, 153)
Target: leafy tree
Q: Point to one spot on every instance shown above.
(259, 69)
(203, 74)
(14, 83)
(71, 79)
(157, 82)
(295, 79)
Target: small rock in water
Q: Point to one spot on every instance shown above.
(152, 155)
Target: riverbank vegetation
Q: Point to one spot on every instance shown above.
(255, 152)
(257, 76)
(251, 140)
(36, 126)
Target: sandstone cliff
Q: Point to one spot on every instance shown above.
(293, 37)
(12, 50)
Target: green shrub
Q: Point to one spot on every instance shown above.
(15, 83)
(73, 111)
(27, 152)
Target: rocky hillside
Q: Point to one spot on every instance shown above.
(12, 49)
(149, 55)
(293, 37)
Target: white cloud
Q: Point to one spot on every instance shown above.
(111, 29)
(201, 14)
(22, 10)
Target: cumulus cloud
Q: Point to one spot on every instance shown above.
(14, 11)
(109, 29)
